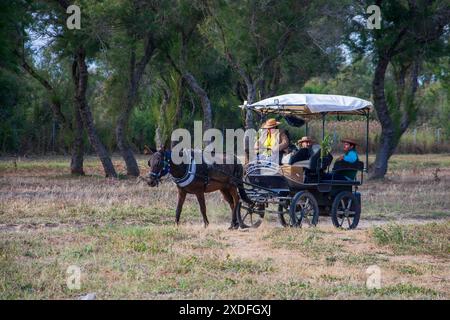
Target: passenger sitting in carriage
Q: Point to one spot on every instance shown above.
(272, 143)
(349, 158)
(305, 152)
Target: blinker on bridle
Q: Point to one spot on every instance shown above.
(165, 169)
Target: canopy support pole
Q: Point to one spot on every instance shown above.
(306, 128)
(323, 125)
(366, 169)
(323, 138)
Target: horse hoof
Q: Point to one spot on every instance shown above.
(233, 227)
(205, 225)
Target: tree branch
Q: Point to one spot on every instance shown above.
(55, 104)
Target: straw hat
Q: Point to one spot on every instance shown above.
(351, 141)
(270, 123)
(305, 139)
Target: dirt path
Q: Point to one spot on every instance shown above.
(364, 224)
(324, 221)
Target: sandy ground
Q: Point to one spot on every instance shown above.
(41, 207)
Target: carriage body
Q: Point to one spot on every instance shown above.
(300, 200)
(275, 188)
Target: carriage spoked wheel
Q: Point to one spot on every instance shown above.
(249, 215)
(304, 210)
(345, 211)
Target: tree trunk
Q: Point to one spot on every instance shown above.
(136, 72)
(391, 132)
(388, 144)
(379, 168)
(160, 136)
(76, 163)
(251, 90)
(121, 127)
(251, 97)
(249, 117)
(123, 119)
(80, 77)
(124, 146)
(206, 103)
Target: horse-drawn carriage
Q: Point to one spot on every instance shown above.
(303, 190)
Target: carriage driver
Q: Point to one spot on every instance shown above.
(350, 157)
(272, 142)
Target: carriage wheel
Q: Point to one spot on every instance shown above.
(346, 210)
(284, 216)
(249, 216)
(304, 210)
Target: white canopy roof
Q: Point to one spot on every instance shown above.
(310, 104)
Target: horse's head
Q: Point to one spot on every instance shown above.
(159, 166)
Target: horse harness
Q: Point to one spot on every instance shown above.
(188, 177)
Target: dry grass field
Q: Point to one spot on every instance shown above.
(120, 233)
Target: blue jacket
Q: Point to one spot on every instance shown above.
(351, 156)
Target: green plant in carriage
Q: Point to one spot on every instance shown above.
(326, 145)
(325, 149)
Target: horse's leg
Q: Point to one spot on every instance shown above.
(201, 202)
(181, 198)
(227, 196)
(235, 196)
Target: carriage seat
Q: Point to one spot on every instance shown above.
(312, 161)
(343, 166)
(314, 164)
(340, 166)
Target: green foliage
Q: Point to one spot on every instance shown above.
(10, 130)
(266, 41)
(14, 19)
(315, 59)
(326, 145)
(412, 34)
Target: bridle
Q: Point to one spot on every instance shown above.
(188, 177)
(165, 168)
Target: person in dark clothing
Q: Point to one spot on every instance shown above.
(305, 151)
(350, 157)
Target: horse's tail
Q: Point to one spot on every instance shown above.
(243, 195)
(239, 175)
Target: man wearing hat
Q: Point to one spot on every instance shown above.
(272, 142)
(305, 151)
(350, 156)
